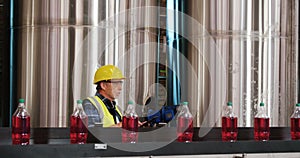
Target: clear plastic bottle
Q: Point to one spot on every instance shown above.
(21, 125)
(130, 124)
(295, 123)
(185, 124)
(261, 124)
(78, 125)
(229, 124)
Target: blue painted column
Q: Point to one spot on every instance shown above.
(176, 50)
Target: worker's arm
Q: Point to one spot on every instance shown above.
(91, 112)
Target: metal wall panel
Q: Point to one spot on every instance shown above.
(257, 42)
(60, 44)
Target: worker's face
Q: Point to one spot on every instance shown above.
(113, 88)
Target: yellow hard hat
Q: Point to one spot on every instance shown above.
(108, 72)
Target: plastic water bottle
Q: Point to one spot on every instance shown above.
(261, 124)
(21, 125)
(229, 124)
(130, 124)
(79, 123)
(295, 123)
(185, 124)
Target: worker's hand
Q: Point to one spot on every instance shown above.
(117, 125)
(141, 123)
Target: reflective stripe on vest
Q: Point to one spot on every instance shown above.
(106, 117)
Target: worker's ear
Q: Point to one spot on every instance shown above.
(102, 85)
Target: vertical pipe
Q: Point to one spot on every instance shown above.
(11, 63)
(176, 48)
(141, 51)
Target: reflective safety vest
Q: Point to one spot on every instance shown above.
(106, 117)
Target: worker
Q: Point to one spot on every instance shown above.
(102, 107)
